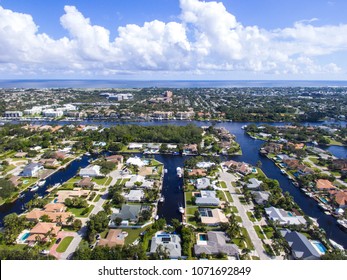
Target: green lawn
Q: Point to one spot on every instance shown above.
(64, 244)
(229, 196)
(28, 182)
(269, 231)
(78, 211)
(223, 184)
(234, 209)
(109, 180)
(8, 168)
(248, 239)
(100, 181)
(251, 217)
(69, 185)
(238, 218)
(133, 234)
(191, 210)
(12, 247)
(259, 233)
(97, 198)
(188, 197)
(119, 182)
(314, 160)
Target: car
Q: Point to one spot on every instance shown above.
(44, 252)
(58, 241)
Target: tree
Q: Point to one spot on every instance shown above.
(161, 252)
(45, 218)
(77, 224)
(117, 221)
(70, 219)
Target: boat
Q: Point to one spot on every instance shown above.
(315, 143)
(162, 199)
(165, 170)
(283, 171)
(56, 185)
(156, 217)
(41, 183)
(342, 224)
(181, 209)
(336, 245)
(22, 195)
(34, 188)
(244, 126)
(179, 171)
(327, 213)
(87, 154)
(296, 184)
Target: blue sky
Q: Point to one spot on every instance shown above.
(173, 39)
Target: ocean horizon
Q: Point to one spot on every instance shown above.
(90, 83)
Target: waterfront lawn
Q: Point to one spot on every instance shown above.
(223, 184)
(133, 234)
(64, 244)
(189, 188)
(81, 212)
(191, 210)
(70, 184)
(188, 197)
(26, 182)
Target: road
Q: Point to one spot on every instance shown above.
(259, 250)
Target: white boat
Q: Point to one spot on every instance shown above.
(41, 183)
(314, 143)
(244, 126)
(156, 217)
(56, 185)
(336, 245)
(22, 195)
(283, 171)
(342, 224)
(34, 188)
(327, 213)
(181, 209)
(87, 154)
(165, 170)
(162, 199)
(179, 171)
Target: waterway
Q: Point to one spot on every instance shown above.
(174, 195)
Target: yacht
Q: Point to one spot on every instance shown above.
(336, 245)
(283, 171)
(156, 217)
(343, 224)
(162, 199)
(34, 188)
(244, 126)
(181, 209)
(179, 171)
(41, 183)
(165, 170)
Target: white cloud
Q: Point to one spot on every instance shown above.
(206, 38)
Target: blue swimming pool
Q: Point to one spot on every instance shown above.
(319, 246)
(55, 200)
(203, 237)
(290, 214)
(24, 236)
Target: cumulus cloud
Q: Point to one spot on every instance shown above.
(206, 38)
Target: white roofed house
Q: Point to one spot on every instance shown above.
(207, 198)
(135, 195)
(135, 146)
(254, 184)
(91, 171)
(135, 161)
(171, 243)
(202, 183)
(284, 217)
(135, 181)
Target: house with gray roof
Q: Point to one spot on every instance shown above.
(31, 170)
(128, 212)
(135, 195)
(284, 217)
(254, 184)
(207, 198)
(260, 197)
(215, 242)
(172, 243)
(301, 247)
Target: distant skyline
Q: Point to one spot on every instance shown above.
(173, 39)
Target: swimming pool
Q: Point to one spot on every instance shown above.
(319, 246)
(203, 237)
(290, 214)
(24, 236)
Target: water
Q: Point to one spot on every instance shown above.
(164, 83)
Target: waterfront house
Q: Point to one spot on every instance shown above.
(202, 183)
(36, 215)
(272, 148)
(197, 172)
(20, 155)
(301, 247)
(260, 197)
(135, 161)
(213, 243)
(339, 164)
(134, 180)
(324, 185)
(206, 198)
(135, 195)
(205, 164)
(15, 180)
(49, 162)
(254, 184)
(135, 146)
(190, 149)
(115, 237)
(284, 217)
(90, 171)
(240, 167)
(117, 159)
(85, 183)
(171, 242)
(340, 198)
(212, 217)
(64, 194)
(31, 170)
(43, 232)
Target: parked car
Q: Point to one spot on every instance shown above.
(58, 241)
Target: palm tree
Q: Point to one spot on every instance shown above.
(70, 219)
(58, 220)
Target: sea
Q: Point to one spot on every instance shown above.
(25, 84)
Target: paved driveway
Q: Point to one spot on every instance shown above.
(61, 235)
